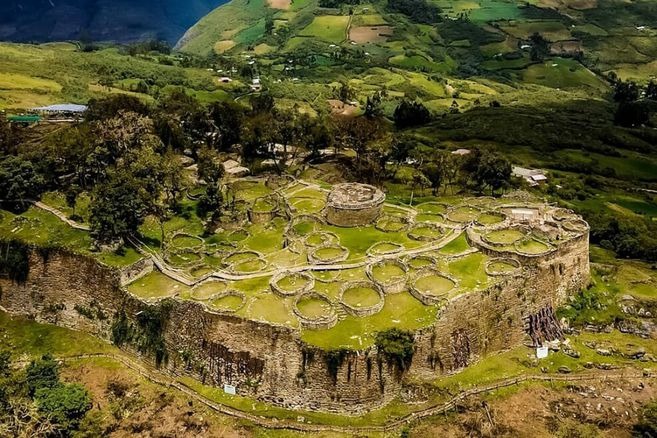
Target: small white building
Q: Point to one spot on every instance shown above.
(533, 176)
(461, 152)
(256, 85)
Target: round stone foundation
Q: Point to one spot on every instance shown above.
(353, 205)
(365, 308)
(315, 311)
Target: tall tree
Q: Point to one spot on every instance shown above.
(19, 182)
(118, 208)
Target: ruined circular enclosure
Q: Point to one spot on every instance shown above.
(229, 301)
(353, 204)
(505, 236)
(208, 289)
(287, 284)
(431, 286)
(502, 266)
(328, 254)
(426, 232)
(463, 214)
(315, 311)
(263, 209)
(389, 223)
(390, 275)
(362, 298)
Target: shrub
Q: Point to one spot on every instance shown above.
(647, 424)
(65, 405)
(42, 374)
(396, 346)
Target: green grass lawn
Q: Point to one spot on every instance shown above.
(331, 28)
(157, 285)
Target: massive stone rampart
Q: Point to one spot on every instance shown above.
(271, 363)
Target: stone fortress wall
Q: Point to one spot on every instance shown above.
(270, 362)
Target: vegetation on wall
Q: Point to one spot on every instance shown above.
(334, 360)
(14, 260)
(147, 333)
(396, 347)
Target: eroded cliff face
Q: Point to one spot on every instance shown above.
(271, 363)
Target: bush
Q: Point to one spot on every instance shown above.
(65, 405)
(42, 374)
(647, 424)
(397, 347)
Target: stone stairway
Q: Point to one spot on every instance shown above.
(339, 309)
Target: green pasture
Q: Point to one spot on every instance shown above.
(331, 28)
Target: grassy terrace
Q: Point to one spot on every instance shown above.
(243, 260)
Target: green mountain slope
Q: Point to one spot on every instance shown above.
(490, 37)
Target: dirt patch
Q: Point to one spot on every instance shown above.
(370, 34)
(570, 47)
(338, 107)
(223, 46)
(279, 4)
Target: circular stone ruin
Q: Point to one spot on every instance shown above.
(431, 286)
(426, 232)
(390, 275)
(287, 284)
(504, 236)
(229, 301)
(353, 205)
(263, 210)
(245, 262)
(575, 225)
(431, 212)
(208, 289)
(502, 266)
(531, 246)
(321, 238)
(463, 214)
(490, 218)
(421, 261)
(181, 241)
(362, 298)
(327, 254)
(389, 223)
(384, 248)
(315, 311)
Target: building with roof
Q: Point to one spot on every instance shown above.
(61, 108)
(533, 176)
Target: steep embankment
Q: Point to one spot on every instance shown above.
(101, 20)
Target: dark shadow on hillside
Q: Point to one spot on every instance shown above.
(585, 125)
